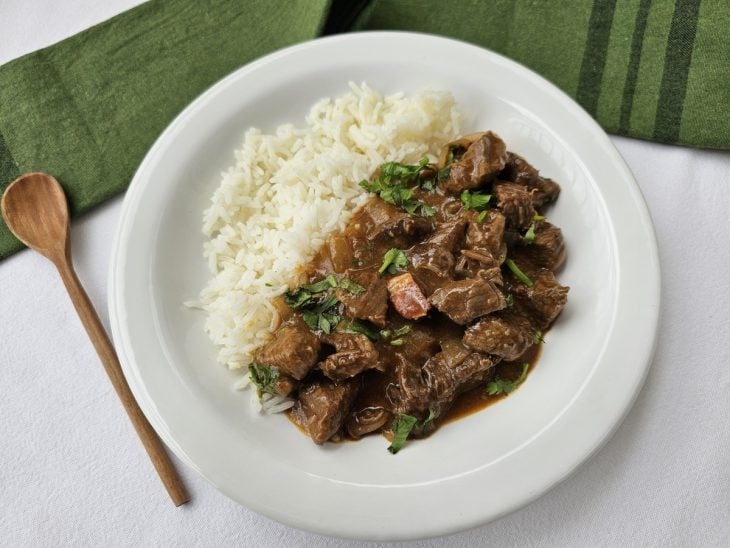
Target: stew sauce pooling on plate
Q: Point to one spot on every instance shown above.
(445, 273)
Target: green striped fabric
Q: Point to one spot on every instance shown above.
(88, 108)
(651, 69)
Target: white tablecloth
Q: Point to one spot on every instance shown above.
(73, 473)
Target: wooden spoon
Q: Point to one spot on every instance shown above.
(35, 210)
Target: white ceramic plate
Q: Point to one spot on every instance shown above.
(471, 471)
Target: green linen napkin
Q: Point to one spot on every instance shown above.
(88, 108)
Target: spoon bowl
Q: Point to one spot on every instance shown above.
(35, 209)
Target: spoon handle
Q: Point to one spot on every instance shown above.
(105, 350)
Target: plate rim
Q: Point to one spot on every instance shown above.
(117, 312)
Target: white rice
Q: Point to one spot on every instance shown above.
(288, 190)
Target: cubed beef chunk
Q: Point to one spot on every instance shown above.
(384, 222)
(434, 386)
(547, 250)
(464, 300)
(372, 304)
(448, 235)
(293, 351)
(481, 162)
(544, 191)
(437, 251)
(407, 297)
(365, 421)
(487, 235)
(432, 261)
(506, 335)
(471, 368)
(479, 264)
(412, 395)
(518, 170)
(515, 202)
(428, 277)
(423, 342)
(544, 300)
(323, 406)
(354, 353)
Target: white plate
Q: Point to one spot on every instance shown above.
(471, 471)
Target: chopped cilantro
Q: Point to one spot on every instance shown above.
(322, 285)
(395, 171)
(475, 200)
(317, 303)
(350, 285)
(298, 298)
(505, 386)
(402, 331)
(402, 427)
(323, 316)
(264, 377)
(357, 326)
(518, 273)
(391, 185)
(482, 215)
(404, 424)
(385, 335)
(537, 337)
(529, 236)
(393, 261)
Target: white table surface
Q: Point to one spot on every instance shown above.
(73, 473)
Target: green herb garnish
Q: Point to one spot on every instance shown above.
(518, 273)
(317, 302)
(510, 299)
(264, 377)
(529, 236)
(505, 386)
(482, 215)
(393, 261)
(402, 427)
(429, 419)
(323, 316)
(392, 185)
(356, 326)
(396, 337)
(475, 200)
(395, 171)
(322, 285)
(352, 286)
(298, 298)
(401, 331)
(537, 337)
